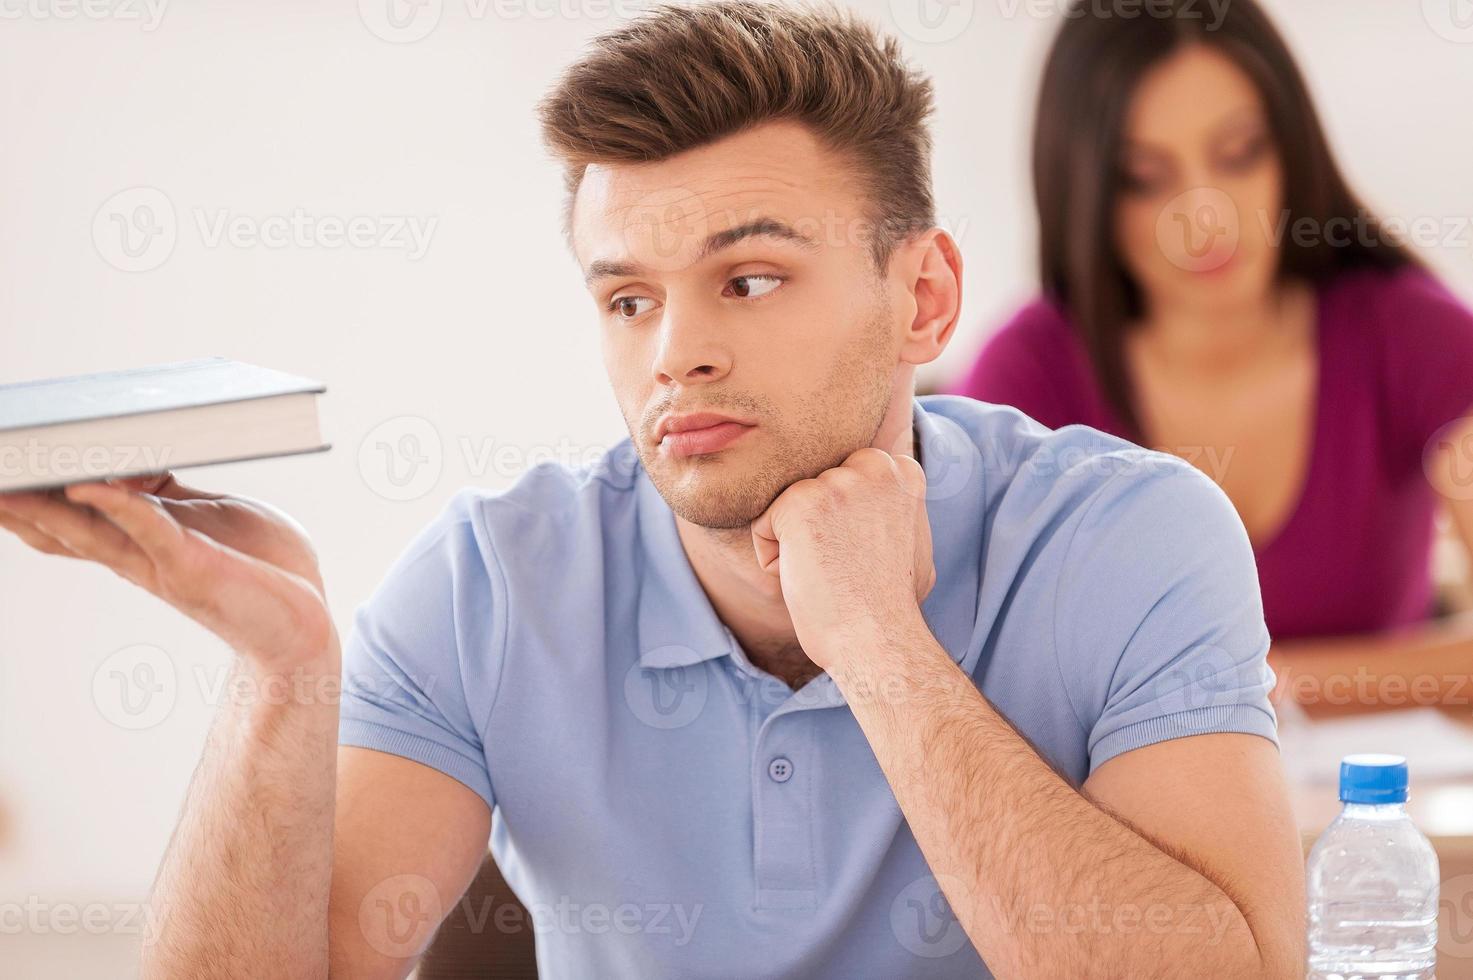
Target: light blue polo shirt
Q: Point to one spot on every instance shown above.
(665, 809)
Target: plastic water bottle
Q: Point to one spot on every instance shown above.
(1372, 881)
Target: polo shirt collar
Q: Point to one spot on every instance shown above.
(679, 627)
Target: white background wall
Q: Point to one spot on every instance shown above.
(485, 342)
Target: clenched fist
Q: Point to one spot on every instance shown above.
(851, 548)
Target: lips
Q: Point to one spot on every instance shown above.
(703, 432)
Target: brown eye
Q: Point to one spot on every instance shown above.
(1143, 177)
(1243, 155)
(627, 307)
(751, 287)
(1134, 184)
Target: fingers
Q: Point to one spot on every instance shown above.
(80, 531)
(28, 533)
(164, 485)
(143, 520)
(764, 540)
(870, 460)
(768, 527)
(145, 483)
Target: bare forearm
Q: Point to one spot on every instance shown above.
(243, 887)
(1425, 665)
(1045, 882)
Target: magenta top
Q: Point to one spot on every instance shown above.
(1395, 366)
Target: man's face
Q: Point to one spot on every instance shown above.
(737, 279)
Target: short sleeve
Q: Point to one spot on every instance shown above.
(1428, 355)
(1022, 365)
(429, 632)
(1159, 623)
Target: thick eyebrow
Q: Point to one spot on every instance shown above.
(769, 227)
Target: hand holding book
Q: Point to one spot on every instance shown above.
(239, 567)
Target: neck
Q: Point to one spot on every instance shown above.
(747, 599)
(1221, 338)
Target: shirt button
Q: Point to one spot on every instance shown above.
(780, 769)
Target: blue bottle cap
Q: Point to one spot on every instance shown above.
(1373, 777)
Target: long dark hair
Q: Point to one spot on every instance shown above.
(1092, 71)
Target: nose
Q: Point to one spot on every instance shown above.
(691, 350)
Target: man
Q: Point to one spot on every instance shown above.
(809, 677)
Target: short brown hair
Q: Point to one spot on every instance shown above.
(678, 77)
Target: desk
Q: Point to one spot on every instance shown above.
(1440, 803)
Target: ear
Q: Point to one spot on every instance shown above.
(930, 269)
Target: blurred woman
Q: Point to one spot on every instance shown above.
(1212, 288)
